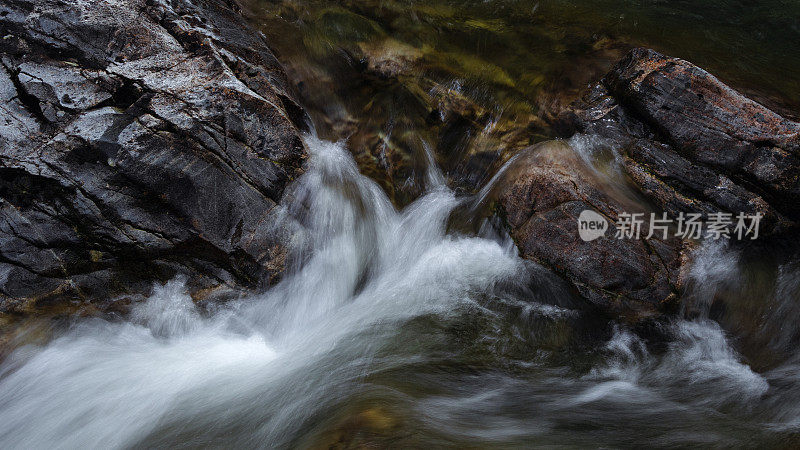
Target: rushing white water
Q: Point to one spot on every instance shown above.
(259, 372)
(364, 267)
(699, 358)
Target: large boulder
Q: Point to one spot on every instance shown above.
(139, 139)
(542, 196)
(684, 142)
(691, 143)
(712, 125)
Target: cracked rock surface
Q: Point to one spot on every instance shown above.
(139, 139)
(691, 143)
(541, 200)
(687, 143)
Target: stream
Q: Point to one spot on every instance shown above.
(406, 318)
(392, 331)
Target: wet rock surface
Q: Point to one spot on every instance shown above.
(686, 143)
(547, 191)
(139, 139)
(691, 143)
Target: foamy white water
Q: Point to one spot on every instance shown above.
(365, 267)
(264, 371)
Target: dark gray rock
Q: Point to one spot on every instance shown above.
(678, 185)
(139, 139)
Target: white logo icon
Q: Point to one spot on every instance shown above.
(591, 225)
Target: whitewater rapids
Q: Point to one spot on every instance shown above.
(268, 371)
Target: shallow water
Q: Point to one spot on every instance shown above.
(477, 81)
(749, 45)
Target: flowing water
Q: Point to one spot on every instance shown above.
(390, 331)
(479, 80)
(406, 317)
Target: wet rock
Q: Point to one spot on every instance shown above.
(541, 198)
(678, 186)
(693, 144)
(686, 142)
(711, 124)
(139, 139)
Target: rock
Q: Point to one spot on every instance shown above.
(693, 144)
(139, 139)
(678, 186)
(711, 123)
(541, 198)
(389, 58)
(687, 143)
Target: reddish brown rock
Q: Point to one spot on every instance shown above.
(687, 142)
(712, 125)
(692, 143)
(541, 199)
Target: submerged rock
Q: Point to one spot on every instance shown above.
(389, 58)
(139, 139)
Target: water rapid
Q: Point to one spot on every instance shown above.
(387, 330)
